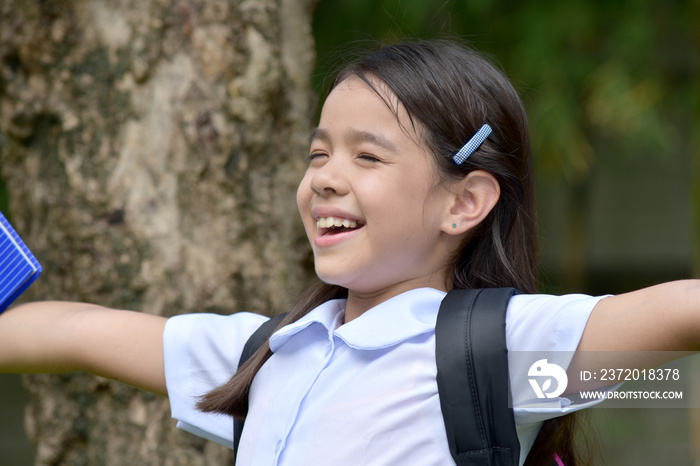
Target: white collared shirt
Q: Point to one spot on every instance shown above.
(362, 393)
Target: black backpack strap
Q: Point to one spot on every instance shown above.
(472, 377)
(256, 340)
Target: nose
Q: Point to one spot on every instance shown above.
(330, 178)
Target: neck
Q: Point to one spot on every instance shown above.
(361, 301)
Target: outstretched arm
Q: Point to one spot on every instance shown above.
(664, 317)
(62, 336)
(638, 330)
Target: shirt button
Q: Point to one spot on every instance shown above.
(278, 446)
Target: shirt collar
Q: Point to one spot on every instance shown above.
(328, 314)
(398, 319)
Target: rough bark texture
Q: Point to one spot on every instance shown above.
(151, 150)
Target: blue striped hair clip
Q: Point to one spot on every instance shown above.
(472, 145)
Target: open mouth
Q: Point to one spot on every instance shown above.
(328, 226)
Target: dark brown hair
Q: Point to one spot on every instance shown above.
(449, 92)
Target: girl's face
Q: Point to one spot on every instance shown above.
(369, 202)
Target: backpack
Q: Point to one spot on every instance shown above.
(472, 376)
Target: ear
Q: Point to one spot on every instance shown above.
(474, 197)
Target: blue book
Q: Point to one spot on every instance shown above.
(18, 266)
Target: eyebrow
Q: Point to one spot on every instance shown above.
(356, 136)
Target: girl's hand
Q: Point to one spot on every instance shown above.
(62, 336)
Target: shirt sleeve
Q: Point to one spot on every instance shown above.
(201, 352)
(544, 327)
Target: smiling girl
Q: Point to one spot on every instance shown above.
(419, 181)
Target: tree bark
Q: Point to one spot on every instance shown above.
(151, 150)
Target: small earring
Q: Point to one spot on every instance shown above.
(454, 225)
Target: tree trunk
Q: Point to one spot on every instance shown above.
(151, 150)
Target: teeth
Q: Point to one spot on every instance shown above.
(328, 222)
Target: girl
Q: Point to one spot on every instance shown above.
(419, 181)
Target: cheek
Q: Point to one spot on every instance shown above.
(403, 201)
(303, 197)
(303, 193)
(418, 215)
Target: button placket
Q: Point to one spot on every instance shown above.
(328, 355)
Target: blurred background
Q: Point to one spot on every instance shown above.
(613, 93)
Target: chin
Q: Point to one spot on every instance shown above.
(331, 279)
(337, 280)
